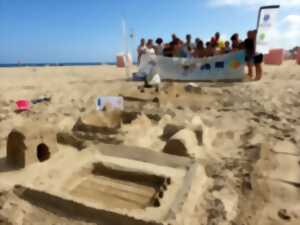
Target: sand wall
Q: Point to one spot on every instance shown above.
(75, 210)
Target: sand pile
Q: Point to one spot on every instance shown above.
(183, 141)
(93, 127)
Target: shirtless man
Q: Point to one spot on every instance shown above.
(200, 50)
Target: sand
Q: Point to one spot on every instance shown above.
(249, 148)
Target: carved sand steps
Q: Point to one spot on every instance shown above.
(114, 193)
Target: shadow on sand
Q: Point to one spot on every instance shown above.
(4, 167)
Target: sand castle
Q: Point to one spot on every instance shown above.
(30, 144)
(111, 184)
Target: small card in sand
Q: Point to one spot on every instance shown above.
(113, 102)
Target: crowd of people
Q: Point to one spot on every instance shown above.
(200, 49)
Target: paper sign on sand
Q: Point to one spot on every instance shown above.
(222, 67)
(113, 102)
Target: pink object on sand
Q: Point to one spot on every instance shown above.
(274, 57)
(298, 56)
(22, 105)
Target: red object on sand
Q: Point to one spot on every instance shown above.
(23, 105)
(274, 57)
(298, 56)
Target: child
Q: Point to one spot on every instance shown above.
(215, 41)
(209, 51)
(227, 48)
(200, 50)
(236, 44)
(159, 46)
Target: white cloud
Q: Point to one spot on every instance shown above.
(284, 3)
(289, 32)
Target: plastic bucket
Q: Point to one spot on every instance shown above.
(23, 105)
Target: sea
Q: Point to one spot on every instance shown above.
(54, 64)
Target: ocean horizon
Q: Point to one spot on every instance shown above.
(54, 64)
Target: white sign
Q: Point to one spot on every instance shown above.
(114, 102)
(267, 29)
(221, 67)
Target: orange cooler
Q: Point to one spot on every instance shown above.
(274, 57)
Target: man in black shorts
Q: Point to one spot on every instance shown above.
(252, 57)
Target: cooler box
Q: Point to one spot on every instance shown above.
(122, 60)
(274, 57)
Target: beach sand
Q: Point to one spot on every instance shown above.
(250, 145)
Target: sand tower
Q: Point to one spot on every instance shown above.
(30, 144)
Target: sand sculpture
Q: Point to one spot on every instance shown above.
(99, 127)
(118, 184)
(182, 141)
(113, 184)
(30, 144)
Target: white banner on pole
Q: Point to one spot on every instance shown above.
(267, 28)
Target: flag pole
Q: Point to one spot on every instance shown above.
(126, 50)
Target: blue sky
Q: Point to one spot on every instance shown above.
(90, 30)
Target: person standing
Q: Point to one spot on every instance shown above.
(141, 50)
(150, 47)
(199, 51)
(209, 51)
(179, 50)
(215, 41)
(235, 42)
(189, 45)
(226, 48)
(169, 48)
(252, 57)
(159, 48)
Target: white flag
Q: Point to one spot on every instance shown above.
(267, 28)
